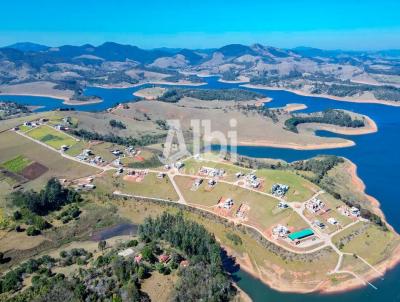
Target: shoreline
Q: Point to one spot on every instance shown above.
(332, 97)
(369, 128)
(64, 100)
(325, 287)
(294, 146)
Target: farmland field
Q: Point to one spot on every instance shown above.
(17, 164)
(13, 144)
(51, 137)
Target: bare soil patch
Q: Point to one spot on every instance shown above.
(34, 171)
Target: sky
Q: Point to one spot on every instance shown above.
(328, 24)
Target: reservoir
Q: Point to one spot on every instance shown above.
(376, 155)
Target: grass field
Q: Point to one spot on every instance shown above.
(192, 166)
(150, 186)
(367, 241)
(51, 137)
(300, 189)
(263, 211)
(13, 144)
(17, 164)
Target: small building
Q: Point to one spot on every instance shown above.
(355, 212)
(117, 152)
(239, 174)
(167, 167)
(87, 152)
(164, 258)
(160, 175)
(184, 263)
(282, 205)
(332, 221)
(301, 234)
(179, 164)
(227, 204)
(198, 182)
(319, 224)
(126, 253)
(280, 231)
(138, 259)
(212, 182)
(315, 205)
(279, 189)
(64, 148)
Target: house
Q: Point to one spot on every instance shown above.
(167, 167)
(227, 204)
(138, 259)
(43, 120)
(28, 124)
(64, 148)
(198, 182)
(279, 189)
(117, 152)
(332, 221)
(253, 181)
(282, 205)
(16, 128)
(126, 253)
(161, 175)
(239, 174)
(355, 212)
(184, 263)
(60, 127)
(212, 182)
(319, 224)
(280, 231)
(179, 164)
(315, 205)
(212, 172)
(87, 152)
(164, 258)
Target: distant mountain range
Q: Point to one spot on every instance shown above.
(305, 68)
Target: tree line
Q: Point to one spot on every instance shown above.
(329, 116)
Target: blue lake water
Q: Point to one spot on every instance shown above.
(377, 156)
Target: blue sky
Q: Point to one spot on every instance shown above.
(350, 24)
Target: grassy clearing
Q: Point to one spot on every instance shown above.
(192, 166)
(149, 186)
(300, 189)
(17, 164)
(354, 264)
(263, 211)
(368, 241)
(51, 137)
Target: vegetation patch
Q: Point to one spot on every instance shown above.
(330, 116)
(17, 164)
(51, 137)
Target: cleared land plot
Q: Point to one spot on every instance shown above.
(148, 186)
(51, 137)
(12, 144)
(263, 212)
(300, 189)
(192, 166)
(17, 164)
(354, 264)
(366, 240)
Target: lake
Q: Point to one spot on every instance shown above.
(377, 156)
